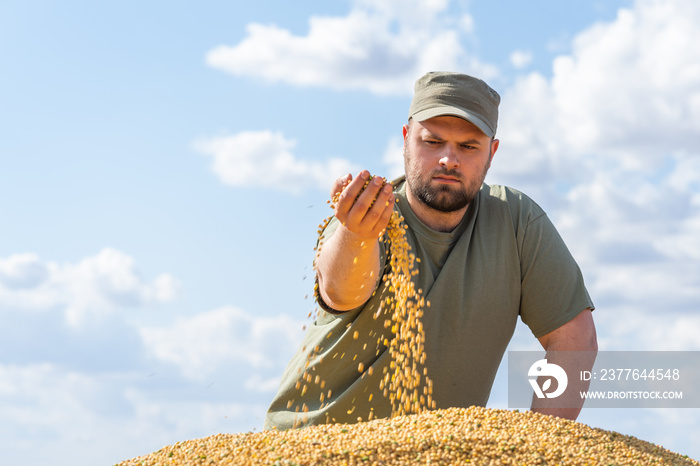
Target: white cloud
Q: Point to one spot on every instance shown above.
(657, 331)
(520, 58)
(95, 286)
(634, 83)
(609, 146)
(380, 46)
(265, 159)
(50, 412)
(22, 271)
(637, 239)
(627, 97)
(467, 24)
(214, 340)
(411, 12)
(96, 385)
(257, 383)
(51, 422)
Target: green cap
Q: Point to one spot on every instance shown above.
(440, 93)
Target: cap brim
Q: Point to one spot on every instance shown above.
(453, 111)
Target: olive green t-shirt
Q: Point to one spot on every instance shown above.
(505, 259)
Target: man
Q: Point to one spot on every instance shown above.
(488, 254)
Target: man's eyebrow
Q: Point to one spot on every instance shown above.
(468, 142)
(472, 142)
(428, 134)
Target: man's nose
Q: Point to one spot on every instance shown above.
(448, 158)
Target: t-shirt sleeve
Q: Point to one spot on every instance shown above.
(327, 233)
(553, 290)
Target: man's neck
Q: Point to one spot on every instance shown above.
(434, 219)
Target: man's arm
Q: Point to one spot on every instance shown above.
(347, 264)
(577, 335)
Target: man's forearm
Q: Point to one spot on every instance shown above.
(347, 269)
(573, 347)
(568, 405)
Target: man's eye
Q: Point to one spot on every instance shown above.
(429, 141)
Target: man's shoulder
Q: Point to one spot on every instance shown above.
(502, 193)
(520, 205)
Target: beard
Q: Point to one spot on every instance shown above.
(440, 197)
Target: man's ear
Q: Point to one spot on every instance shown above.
(494, 148)
(405, 134)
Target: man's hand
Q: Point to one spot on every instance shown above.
(357, 209)
(347, 265)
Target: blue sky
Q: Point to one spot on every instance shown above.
(165, 165)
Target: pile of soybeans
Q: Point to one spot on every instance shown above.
(454, 436)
